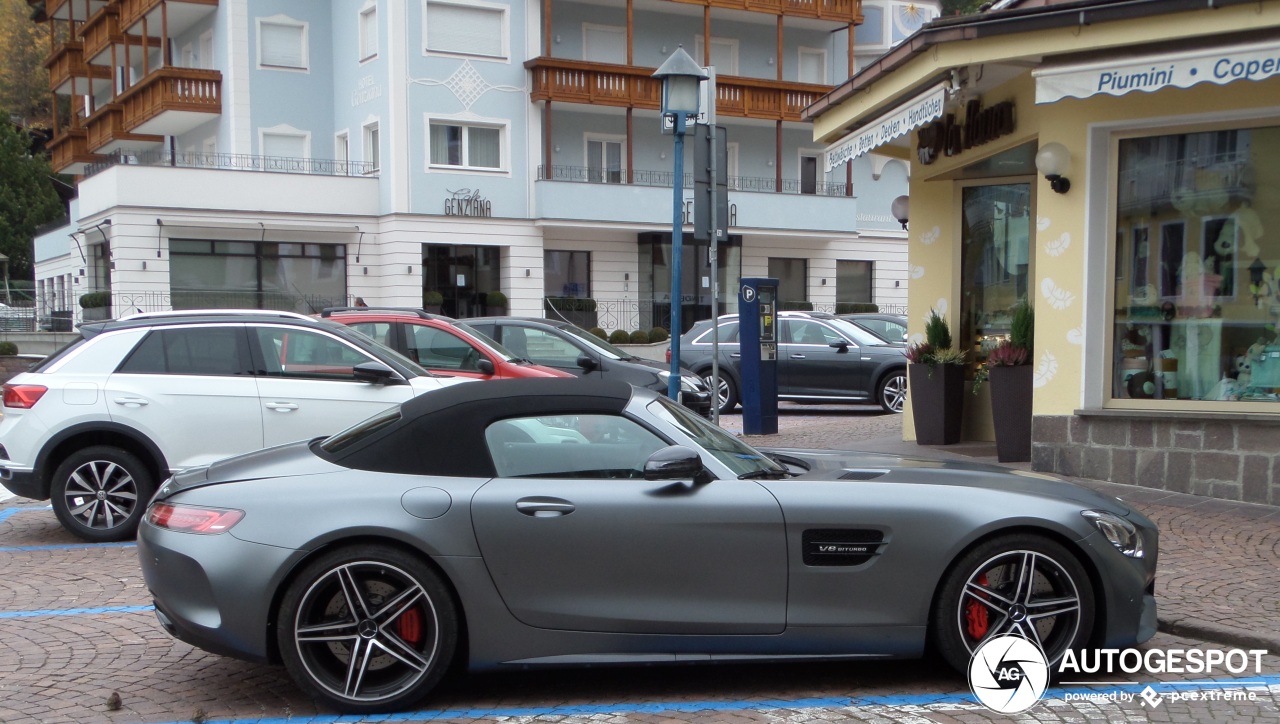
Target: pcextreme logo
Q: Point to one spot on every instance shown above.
(1008, 674)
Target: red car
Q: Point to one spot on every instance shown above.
(438, 343)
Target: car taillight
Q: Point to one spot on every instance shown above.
(23, 396)
(192, 519)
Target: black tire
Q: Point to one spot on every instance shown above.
(891, 393)
(100, 493)
(976, 599)
(728, 393)
(408, 621)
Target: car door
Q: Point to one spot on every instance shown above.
(808, 366)
(576, 539)
(307, 386)
(191, 391)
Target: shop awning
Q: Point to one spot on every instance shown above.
(900, 121)
(1254, 61)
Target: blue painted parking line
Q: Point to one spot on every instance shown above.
(941, 700)
(64, 546)
(75, 611)
(6, 512)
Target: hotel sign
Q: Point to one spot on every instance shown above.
(1256, 61)
(899, 122)
(466, 202)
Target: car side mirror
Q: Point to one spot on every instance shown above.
(673, 463)
(375, 373)
(588, 363)
(484, 366)
(842, 346)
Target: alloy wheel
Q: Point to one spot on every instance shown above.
(101, 495)
(1024, 593)
(893, 393)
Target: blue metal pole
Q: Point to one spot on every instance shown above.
(677, 251)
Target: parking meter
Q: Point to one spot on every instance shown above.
(758, 345)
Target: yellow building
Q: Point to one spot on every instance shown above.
(1153, 257)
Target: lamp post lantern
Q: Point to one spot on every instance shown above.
(680, 77)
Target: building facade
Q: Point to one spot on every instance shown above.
(478, 154)
(1150, 253)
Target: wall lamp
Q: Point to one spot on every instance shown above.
(1052, 161)
(901, 209)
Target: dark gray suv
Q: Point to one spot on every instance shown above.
(821, 359)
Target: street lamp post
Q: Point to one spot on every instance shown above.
(680, 77)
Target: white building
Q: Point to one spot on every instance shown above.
(300, 153)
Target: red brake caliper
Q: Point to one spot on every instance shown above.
(975, 615)
(409, 626)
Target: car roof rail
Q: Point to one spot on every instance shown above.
(212, 313)
(420, 313)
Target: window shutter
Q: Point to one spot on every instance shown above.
(369, 33)
(464, 29)
(281, 45)
(284, 145)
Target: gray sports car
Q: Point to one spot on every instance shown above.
(559, 522)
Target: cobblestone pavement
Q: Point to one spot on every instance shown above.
(76, 626)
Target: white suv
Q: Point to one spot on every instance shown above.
(98, 424)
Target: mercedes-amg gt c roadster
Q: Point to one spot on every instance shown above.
(562, 522)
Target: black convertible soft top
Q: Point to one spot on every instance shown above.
(442, 432)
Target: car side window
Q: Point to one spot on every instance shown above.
(437, 349)
(304, 354)
(573, 446)
(728, 334)
(806, 331)
(379, 332)
(194, 351)
(545, 348)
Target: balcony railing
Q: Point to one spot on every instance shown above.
(132, 11)
(107, 131)
(69, 148)
(171, 90)
(101, 30)
(67, 62)
(235, 162)
(606, 84)
(583, 174)
(844, 11)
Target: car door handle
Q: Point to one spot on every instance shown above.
(544, 507)
(282, 406)
(131, 401)
(735, 355)
(797, 356)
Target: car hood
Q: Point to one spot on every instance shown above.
(291, 460)
(875, 468)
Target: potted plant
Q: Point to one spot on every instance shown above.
(495, 303)
(936, 377)
(432, 301)
(96, 306)
(1008, 367)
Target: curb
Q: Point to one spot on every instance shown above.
(1219, 634)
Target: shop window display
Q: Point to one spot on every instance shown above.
(1197, 304)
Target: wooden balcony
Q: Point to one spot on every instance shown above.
(179, 15)
(67, 62)
(69, 151)
(172, 101)
(841, 11)
(107, 132)
(603, 84)
(101, 31)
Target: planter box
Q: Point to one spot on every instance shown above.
(1011, 412)
(937, 402)
(95, 314)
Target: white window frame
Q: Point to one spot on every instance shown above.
(369, 154)
(206, 50)
(342, 148)
(504, 10)
(699, 53)
(367, 54)
(588, 138)
(189, 59)
(588, 27)
(821, 53)
(284, 129)
(306, 44)
(504, 140)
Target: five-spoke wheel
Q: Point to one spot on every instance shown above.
(892, 391)
(1021, 584)
(726, 394)
(367, 628)
(99, 493)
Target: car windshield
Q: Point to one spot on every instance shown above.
(735, 454)
(482, 340)
(359, 431)
(596, 342)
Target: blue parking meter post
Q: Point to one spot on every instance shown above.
(758, 343)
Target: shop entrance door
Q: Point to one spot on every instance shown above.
(464, 276)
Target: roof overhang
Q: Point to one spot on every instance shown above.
(898, 122)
